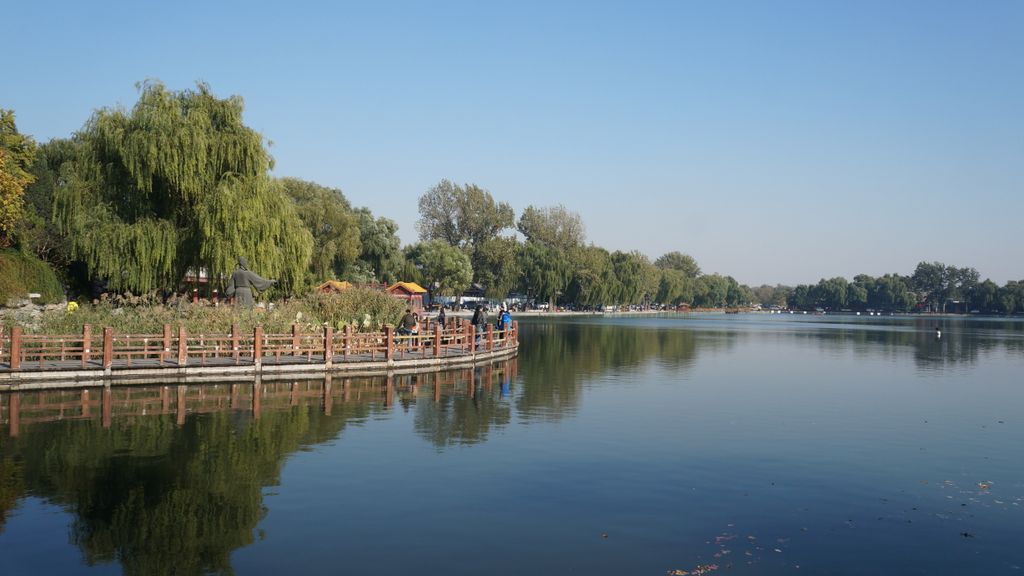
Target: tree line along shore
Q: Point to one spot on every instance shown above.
(140, 199)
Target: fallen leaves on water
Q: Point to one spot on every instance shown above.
(697, 571)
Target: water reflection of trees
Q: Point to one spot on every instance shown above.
(962, 343)
(469, 417)
(161, 494)
(169, 479)
(563, 355)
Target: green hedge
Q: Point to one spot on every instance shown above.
(22, 273)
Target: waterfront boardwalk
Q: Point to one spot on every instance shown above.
(40, 361)
(108, 403)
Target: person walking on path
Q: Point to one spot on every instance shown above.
(441, 318)
(243, 282)
(479, 321)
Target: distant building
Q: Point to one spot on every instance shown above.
(333, 286)
(408, 291)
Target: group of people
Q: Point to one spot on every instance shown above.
(410, 323)
(479, 320)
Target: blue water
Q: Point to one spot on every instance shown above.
(748, 444)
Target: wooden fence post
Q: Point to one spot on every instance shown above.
(346, 342)
(86, 344)
(257, 345)
(515, 332)
(437, 340)
(235, 339)
(167, 344)
(295, 339)
(15, 348)
(490, 337)
(328, 346)
(182, 346)
(108, 347)
(389, 339)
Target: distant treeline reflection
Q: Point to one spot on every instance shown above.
(958, 341)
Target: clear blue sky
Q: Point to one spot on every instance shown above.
(774, 141)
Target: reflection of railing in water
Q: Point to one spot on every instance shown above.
(20, 352)
(19, 409)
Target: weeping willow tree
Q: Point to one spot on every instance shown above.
(177, 183)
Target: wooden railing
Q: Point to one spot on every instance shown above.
(175, 347)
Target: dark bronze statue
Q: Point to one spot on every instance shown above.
(244, 281)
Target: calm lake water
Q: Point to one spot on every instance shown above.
(748, 444)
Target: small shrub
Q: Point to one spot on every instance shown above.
(22, 273)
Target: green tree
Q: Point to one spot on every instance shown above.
(984, 296)
(777, 295)
(931, 282)
(545, 269)
(463, 216)
(1011, 297)
(962, 281)
(711, 291)
(892, 292)
(802, 297)
(552, 226)
(678, 261)
(737, 294)
(674, 287)
(380, 258)
(38, 232)
(177, 183)
(631, 270)
(328, 216)
(17, 154)
(831, 293)
(593, 280)
(858, 293)
(498, 261)
(937, 283)
(445, 269)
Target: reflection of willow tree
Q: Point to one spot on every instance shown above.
(161, 498)
(556, 357)
(460, 419)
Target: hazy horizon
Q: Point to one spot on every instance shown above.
(776, 143)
